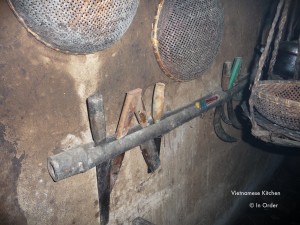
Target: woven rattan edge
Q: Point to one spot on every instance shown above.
(274, 99)
(271, 137)
(261, 62)
(264, 123)
(155, 43)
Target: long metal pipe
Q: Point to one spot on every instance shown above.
(85, 157)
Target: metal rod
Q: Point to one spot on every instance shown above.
(132, 101)
(85, 157)
(97, 117)
(98, 128)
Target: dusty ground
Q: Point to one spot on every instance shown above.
(43, 109)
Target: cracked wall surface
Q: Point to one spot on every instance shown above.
(43, 110)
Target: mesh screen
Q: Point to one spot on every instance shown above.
(279, 102)
(189, 34)
(79, 26)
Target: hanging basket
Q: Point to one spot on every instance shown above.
(274, 105)
(279, 102)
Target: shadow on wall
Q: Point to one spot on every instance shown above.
(10, 211)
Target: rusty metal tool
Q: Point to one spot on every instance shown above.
(82, 158)
(108, 171)
(232, 116)
(218, 127)
(150, 150)
(98, 129)
(219, 111)
(134, 105)
(151, 155)
(128, 111)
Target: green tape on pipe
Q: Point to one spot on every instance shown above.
(234, 71)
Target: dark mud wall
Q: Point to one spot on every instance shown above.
(43, 109)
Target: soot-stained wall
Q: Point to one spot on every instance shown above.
(43, 109)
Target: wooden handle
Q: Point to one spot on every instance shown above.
(158, 102)
(226, 75)
(128, 111)
(97, 117)
(141, 113)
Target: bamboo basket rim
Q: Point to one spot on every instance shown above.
(270, 97)
(155, 43)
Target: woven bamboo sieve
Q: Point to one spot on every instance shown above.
(76, 26)
(279, 102)
(186, 36)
